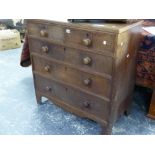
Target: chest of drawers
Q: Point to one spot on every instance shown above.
(87, 69)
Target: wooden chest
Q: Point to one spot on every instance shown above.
(87, 69)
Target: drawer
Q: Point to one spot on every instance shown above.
(75, 98)
(79, 58)
(74, 37)
(98, 41)
(53, 32)
(89, 82)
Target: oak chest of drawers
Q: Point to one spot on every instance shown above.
(87, 69)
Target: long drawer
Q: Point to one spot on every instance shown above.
(77, 78)
(98, 41)
(79, 58)
(86, 103)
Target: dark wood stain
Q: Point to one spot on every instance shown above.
(84, 69)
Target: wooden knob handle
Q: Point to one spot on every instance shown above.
(48, 88)
(47, 68)
(44, 49)
(86, 42)
(86, 104)
(43, 33)
(87, 82)
(87, 60)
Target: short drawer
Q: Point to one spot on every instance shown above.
(75, 98)
(98, 41)
(74, 37)
(89, 82)
(79, 58)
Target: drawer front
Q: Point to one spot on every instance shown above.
(104, 41)
(81, 59)
(86, 81)
(73, 97)
(46, 31)
(98, 41)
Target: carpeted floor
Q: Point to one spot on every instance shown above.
(20, 115)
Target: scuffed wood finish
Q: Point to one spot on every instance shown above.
(102, 42)
(89, 82)
(87, 69)
(73, 97)
(74, 57)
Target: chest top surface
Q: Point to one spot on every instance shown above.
(108, 27)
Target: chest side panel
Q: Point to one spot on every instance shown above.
(124, 66)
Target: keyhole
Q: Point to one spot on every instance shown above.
(87, 35)
(64, 49)
(65, 68)
(43, 26)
